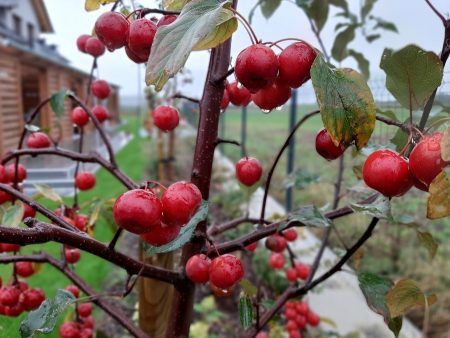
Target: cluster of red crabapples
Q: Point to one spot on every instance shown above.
(17, 297)
(389, 172)
(157, 220)
(268, 78)
(83, 325)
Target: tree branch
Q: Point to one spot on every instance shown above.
(218, 229)
(440, 16)
(188, 98)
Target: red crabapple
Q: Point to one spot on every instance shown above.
(225, 271)
(295, 63)
(140, 37)
(197, 268)
(94, 47)
(166, 118)
(79, 117)
(85, 180)
(101, 113)
(248, 171)
(38, 140)
(161, 234)
(81, 42)
(112, 30)
(325, 146)
(277, 260)
(100, 89)
(180, 202)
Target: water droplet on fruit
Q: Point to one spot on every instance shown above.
(279, 108)
(239, 85)
(265, 111)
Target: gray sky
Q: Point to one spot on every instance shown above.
(415, 21)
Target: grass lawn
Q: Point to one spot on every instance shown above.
(94, 270)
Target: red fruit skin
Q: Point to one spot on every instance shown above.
(291, 275)
(240, 97)
(81, 222)
(225, 100)
(387, 172)
(112, 29)
(24, 269)
(3, 176)
(218, 292)
(425, 160)
(85, 180)
(252, 247)
(86, 333)
(166, 118)
(22, 285)
(38, 140)
(28, 211)
(32, 299)
(140, 37)
(225, 271)
(290, 313)
(302, 308)
(72, 255)
(256, 67)
(303, 270)
(325, 146)
(274, 95)
(11, 172)
(166, 20)
(100, 89)
(73, 289)
(94, 47)
(290, 235)
(133, 57)
(248, 171)
(88, 322)
(262, 335)
(180, 202)
(14, 311)
(8, 247)
(295, 334)
(101, 113)
(10, 295)
(137, 211)
(81, 42)
(295, 63)
(312, 319)
(69, 330)
(84, 310)
(161, 234)
(197, 268)
(418, 184)
(277, 261)
(291, 325)
(79, 117)
(276, 243)
(5, 197)
(301, 321)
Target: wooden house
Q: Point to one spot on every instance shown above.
(31, 70)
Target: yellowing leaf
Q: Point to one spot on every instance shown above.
(427, 240)
(439, 199)
(405, 295)
(346, 103)
(174, 5)
(13, 214)
(445, 145)
(47, 192)
(202, 24)
(92, 5)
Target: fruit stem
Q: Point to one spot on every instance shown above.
(148, 182)
(290, 39)
(247, 26)
(406, 145)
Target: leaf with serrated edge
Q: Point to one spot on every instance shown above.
(47, 192)
(412, 74)
(380, 208)
(13, 215)
(374, 289)
(404, 296)
(92, 5)
(445, 145)
(185, 234)
(427, 240)
(202, 24)
(309, 215)
(245, 311)
(439, 200)
(43, 320)
(346, 103)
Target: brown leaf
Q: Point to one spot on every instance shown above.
(445, 145)
(439, 199)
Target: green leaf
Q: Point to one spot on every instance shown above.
(339, 50)
(318, 11)
(248, 287)
(412, 75)
(339, 3)
(185, 234)
(439, 199)
(47, 192)
(202, 24)
(427, 240)
(309, 215)
(57, 102)
(386, 25)
(268, 7)
(346, 103)
(375, 288)
(367, 8)
(380, 208)
(96, 208)
(405, 295)
(13, 214)
(92, 5)
(445, 145)
(372, 37)
(301, 178)
(400, 138)
(363, 63)
(388, 113)
(174, 5)
(43, 319)
(245, 311)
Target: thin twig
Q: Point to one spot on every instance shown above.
(434, 9)
(188, 98)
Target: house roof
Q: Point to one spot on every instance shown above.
(43, 17)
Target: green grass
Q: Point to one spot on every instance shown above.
(94, 270)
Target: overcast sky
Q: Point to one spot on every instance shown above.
(415, 21)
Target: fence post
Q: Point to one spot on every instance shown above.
(243, 131)
(291, 148)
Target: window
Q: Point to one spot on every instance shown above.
(30, 34)
(17, 21)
